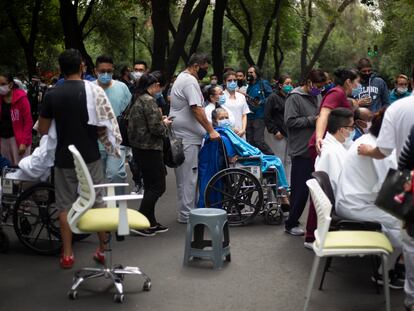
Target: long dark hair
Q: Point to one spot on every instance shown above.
(148, 79)
(9, 79)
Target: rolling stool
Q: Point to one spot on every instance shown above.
(216, 221)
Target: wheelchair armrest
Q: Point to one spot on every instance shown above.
(125, 197)
(252, 158)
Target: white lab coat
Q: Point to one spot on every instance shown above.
(331, 159)
(358, 186)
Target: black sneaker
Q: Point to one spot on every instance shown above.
(400, 271)
(145, 232)
(158, 228)
(394, 281)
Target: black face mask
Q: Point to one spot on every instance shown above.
(365, 76)
(240, 83)
(202, 72)
(250, 78)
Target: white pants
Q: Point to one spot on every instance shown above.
(186, 178)
(280, 149)
(408, 248)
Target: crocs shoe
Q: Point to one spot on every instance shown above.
(99, 257)
(66, 262)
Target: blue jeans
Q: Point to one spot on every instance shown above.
(114, 169)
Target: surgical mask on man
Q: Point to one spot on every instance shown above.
(348, 139)
(136, 75)
(222, 100)
(105, 78)
(224, 123)
(213, 82)
(4, 89)
(240, 83)
(231, 86)
(201, 73)
(366, 129)
(402, 90)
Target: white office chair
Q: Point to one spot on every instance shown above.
(83, 219)
(343, 243)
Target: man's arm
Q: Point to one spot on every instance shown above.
(369, 151)
(201, 118)
(44, 125)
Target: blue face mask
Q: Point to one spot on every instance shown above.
(105, 78)
(329, 86)
(158, 95)
(222, 100)
(356, 91)
(231, 86)
(224, 123)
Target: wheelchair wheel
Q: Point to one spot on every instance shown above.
(35, 219)
(238, 192)
(273, 216)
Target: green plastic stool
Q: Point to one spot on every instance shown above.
(216, 221)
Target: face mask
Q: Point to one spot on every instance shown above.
(287, 89)
(314, 91)
(231, 86)
(240, 83)
(222, 100)
(202, 72)
(366, 130)
(136, 75)
(402, 90)
(105, 78)
(356, 91)
(224, 123)
(4, 89)
(158, 95)
(329, 86)
(250, 78)
(365, 76)
(348, 139)
(213, 82)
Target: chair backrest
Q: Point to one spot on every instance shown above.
(323, 180)
(323, 208)
(86, 191)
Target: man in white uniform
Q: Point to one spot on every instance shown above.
(190, 124)
(340, 131)
(398, 120)
(358, 187)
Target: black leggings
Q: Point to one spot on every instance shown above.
(153, 173)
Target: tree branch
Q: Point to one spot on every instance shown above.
(87, 15)
(84, 36)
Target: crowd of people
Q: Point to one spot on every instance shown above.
(350, 126)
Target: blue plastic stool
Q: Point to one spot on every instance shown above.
(216, 221)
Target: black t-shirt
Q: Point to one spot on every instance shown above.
(6, 127)
(66, 104)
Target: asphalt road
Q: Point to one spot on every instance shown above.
(269, 271)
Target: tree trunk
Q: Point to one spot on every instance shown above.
(160, 20)
(187, 21)
(217, 39)
(28, 45)
(73, 30)
(247, 34)
(325, 36)
(277, 49)
(307, 18)
(266, 32)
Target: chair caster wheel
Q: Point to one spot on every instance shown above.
(119, 298)
(73, 295)
(147, 286)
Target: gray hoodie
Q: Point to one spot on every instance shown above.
(301, 110)
(377, 89)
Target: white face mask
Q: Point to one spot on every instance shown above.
(366, 130)
(4, 89)
(136, 75)
(348, 139)
(402, 90)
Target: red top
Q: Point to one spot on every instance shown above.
(335, 98)
(21, 117)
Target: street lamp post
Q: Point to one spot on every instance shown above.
(134, 23)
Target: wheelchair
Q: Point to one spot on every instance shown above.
(29, 206)
(244, 191)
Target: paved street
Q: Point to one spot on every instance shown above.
(269, 271)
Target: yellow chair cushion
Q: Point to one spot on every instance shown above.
(357, 239)
(106, 219)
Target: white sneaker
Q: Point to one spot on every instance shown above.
(308, 245)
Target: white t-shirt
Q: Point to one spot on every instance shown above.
(396, 126)
(185, 93)
(209, 109)
(238, 107)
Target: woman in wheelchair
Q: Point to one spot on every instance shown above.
(215, 156)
